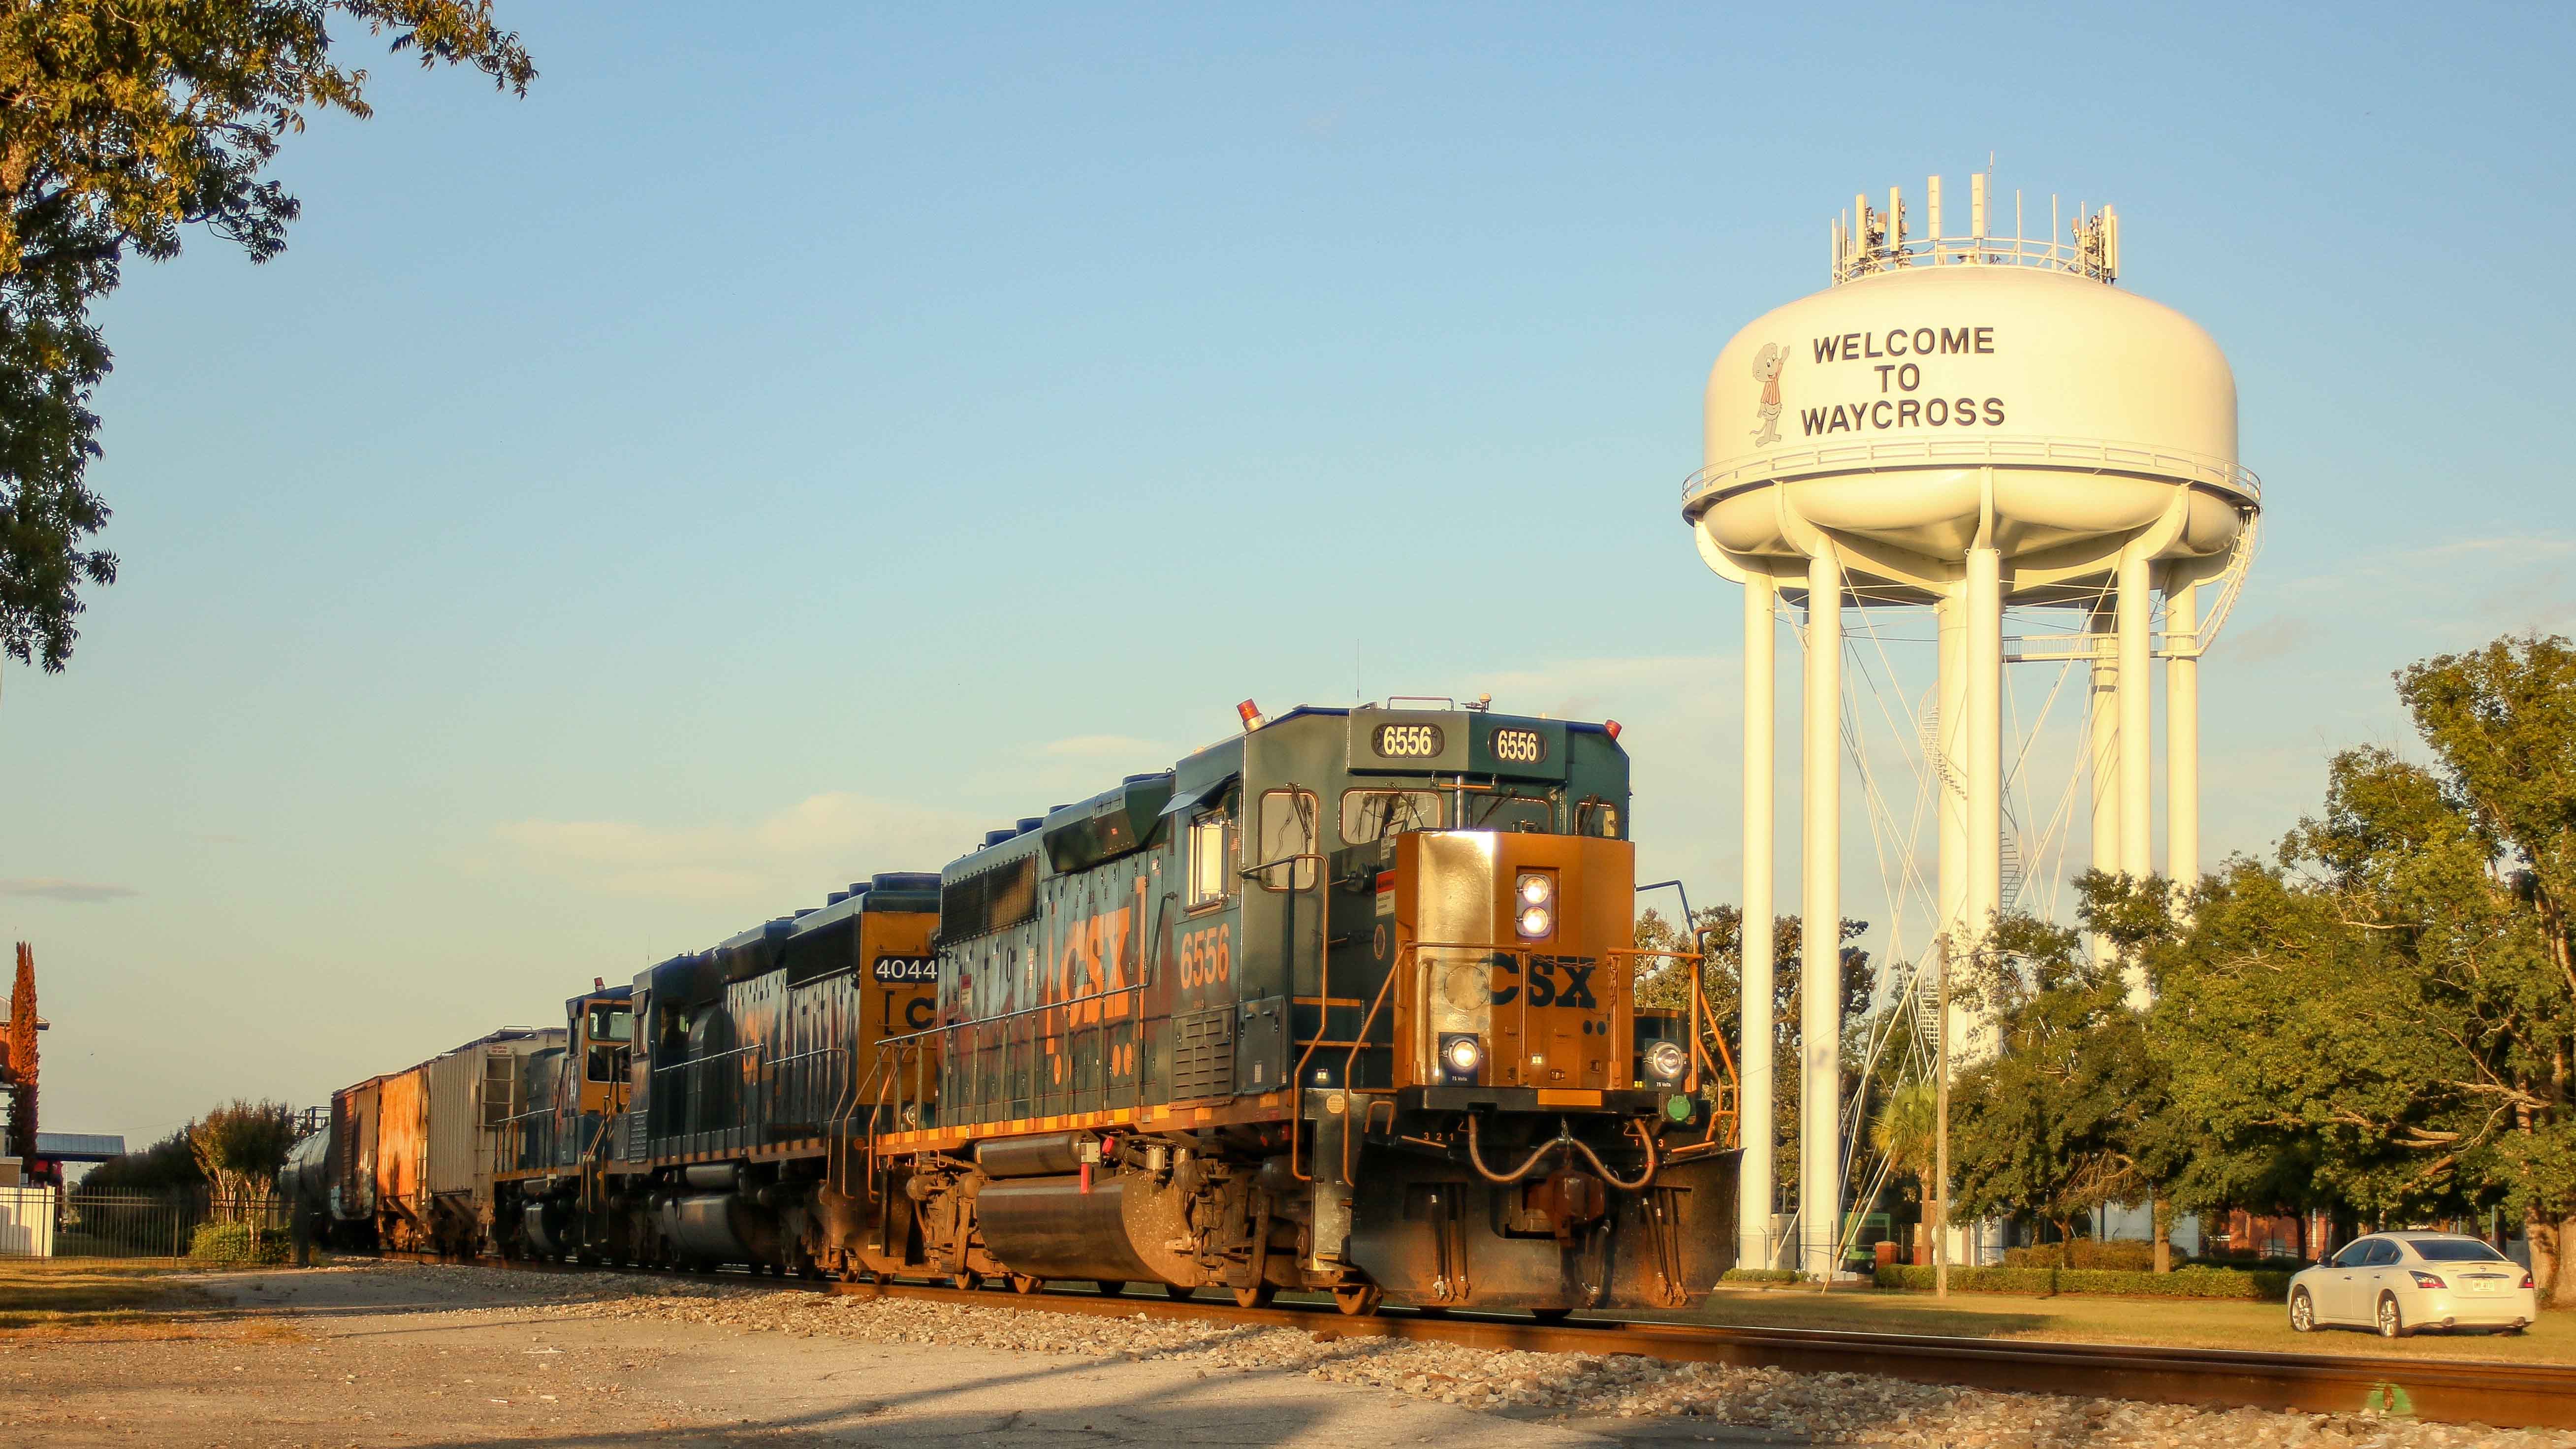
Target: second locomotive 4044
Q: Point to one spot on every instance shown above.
(1342, 1004)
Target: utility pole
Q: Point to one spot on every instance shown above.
(1941, 1136)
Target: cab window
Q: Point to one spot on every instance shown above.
(1597, 817)
(1369, 816)
(1211, 856)
(608, 1027)
(1286, 831)
(1510, 812)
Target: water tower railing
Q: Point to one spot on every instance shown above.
(2078, 258)
(2090, 455)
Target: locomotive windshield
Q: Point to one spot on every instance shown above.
(1369, 816)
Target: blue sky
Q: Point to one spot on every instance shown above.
(771, 453)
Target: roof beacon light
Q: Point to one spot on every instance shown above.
(1250, 714)
(1611, 727)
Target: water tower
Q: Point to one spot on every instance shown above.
(1971, 422)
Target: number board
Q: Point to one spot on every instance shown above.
(892, 969)
(1529, 749)
(1408, 741)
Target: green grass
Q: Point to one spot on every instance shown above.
(2182, 1323)
(58, 1294)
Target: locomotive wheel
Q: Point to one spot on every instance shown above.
(1024, 1283)
(1175, 1290)
(964, 1281)
(1256, 1296)
(1359, 1300)
(1110, 1287)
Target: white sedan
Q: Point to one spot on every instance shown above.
(2400, 1282)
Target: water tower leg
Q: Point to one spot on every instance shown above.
(1949, 741)
(2182, 737)
(1984, 764)
(2137, 725)
(1757, 1116)
(1820, 967)
(2102, 753)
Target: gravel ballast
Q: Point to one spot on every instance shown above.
(1832, 1408)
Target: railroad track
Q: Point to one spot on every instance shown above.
(2502, 1395)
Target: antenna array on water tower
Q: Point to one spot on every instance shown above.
(1965, 422)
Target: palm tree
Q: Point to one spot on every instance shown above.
(1905, 1132)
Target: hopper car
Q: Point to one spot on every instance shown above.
(1343, 1004)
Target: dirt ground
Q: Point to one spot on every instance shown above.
(418, 1357)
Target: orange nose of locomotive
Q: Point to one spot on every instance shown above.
(1506, 971)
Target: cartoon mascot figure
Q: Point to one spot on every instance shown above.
(1766, 371)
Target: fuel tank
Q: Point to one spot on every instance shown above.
(1048, 1227)
(544, 1221)
(714, 1225)
(1047, 1154)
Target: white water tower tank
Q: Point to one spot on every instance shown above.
(1876, 407)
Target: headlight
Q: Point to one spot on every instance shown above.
(1460, 1055)
(1536, 889)
(1665, 1060)
(1537, 921)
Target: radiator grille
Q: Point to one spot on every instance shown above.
(1203, 1055)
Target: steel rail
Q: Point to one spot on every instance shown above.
(2450, 1391)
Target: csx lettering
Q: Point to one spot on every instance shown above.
(1206, 956)
(917, 1013)
(1544, 988)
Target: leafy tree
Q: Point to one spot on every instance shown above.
(241, 1146)
(2501, 723)
(2061, 1121)
(123, 122)
(169, 1165)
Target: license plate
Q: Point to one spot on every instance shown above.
(2483, 1285)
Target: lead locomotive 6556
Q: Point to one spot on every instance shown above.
(1343, 1003)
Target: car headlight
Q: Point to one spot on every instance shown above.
(1460, 1056)
(1665, 1060)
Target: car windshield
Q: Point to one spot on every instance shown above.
(2456, 1250)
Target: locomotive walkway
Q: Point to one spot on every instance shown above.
(2442, 1391)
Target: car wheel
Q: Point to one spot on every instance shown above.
(2303, 1313)
(2392, 1321)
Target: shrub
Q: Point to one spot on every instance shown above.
(2116, 1256)
(1761, 1275)
(230, 1245)
(2256, 1287)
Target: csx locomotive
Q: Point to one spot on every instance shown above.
(1340, 1004)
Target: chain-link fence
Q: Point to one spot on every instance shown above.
(175, 1227)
